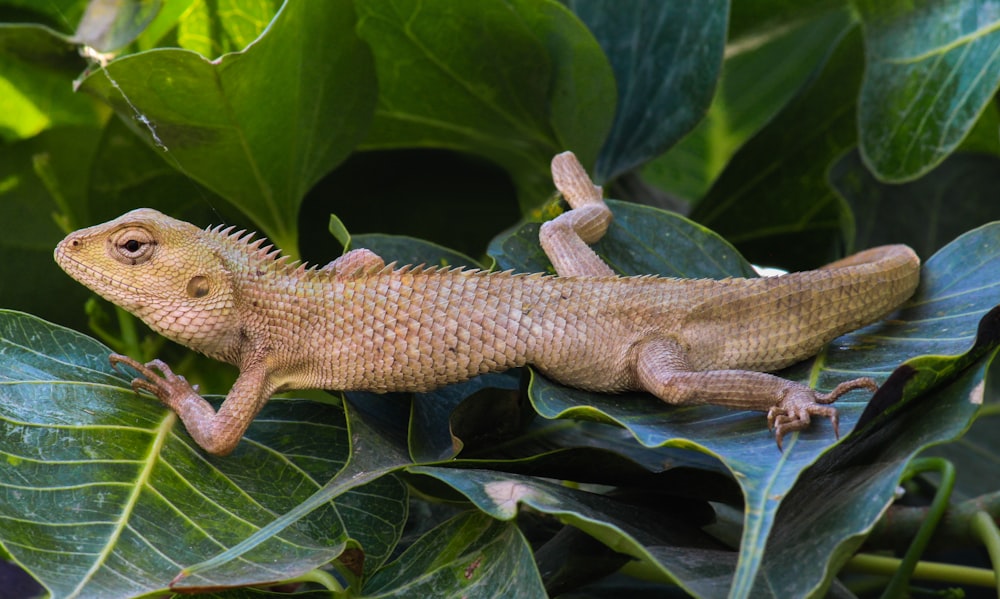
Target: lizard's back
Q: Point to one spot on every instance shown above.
(420, 329)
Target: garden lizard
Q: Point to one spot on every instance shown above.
(358, 324)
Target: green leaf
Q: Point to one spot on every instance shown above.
(824, 519)
(666, 56)
(774, 193)
(638, 242)
(757, 80)
(931, 67)
(671, 541)
(43, 182)
(962, 192)
(513, 81)
(750, 20)
(471, 555)
(213, 29)
(125, 168)
(407, 250)
(258, 127)
(36, 69)
(107, 496)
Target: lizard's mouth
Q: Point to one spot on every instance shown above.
(98, 281)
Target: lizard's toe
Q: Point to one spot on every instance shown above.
(795, 411)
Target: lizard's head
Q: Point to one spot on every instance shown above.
(165, 271)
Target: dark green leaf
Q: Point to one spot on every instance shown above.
(666, 56)
(825, 517)
(251, 126)
(774, 193)
(961, 192)
(671, 542)
(515, 82)
(641, 240)
(107, 496)
(43, 182)
(407, 250)
(750, 19)
(471, 555)
(930, 69)
(757, 80)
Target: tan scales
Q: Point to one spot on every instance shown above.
(357, 324)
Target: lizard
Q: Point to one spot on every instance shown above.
(359, 324)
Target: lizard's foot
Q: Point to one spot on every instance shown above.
(800, 403)
(157, 378)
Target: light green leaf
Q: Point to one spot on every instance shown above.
(37, 67)
(931, 67)
(258, 127)
(215, 28)
(105, 495)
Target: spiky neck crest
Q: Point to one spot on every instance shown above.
(258, 254)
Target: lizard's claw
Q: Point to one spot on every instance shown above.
(155, 377)
(800, 403)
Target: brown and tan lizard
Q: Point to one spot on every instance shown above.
(357, 324)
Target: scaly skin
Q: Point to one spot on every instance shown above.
(358, 325)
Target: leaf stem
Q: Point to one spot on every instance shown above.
(984, 527)
(930, 571)
(901, 578)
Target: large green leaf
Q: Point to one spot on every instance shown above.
(961, 192)
(931, 67)
(105, 495)
(757, 80)
(670, 540)
(471, 555)
(959, 281)
(261, 126)
(513, 81)
(774, 193)
(666, 56)
(824, 519)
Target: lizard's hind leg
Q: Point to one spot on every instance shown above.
(565, 237)
(662, 369)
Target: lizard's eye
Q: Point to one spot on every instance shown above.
(132, 246)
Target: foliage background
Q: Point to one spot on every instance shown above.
(797, 131)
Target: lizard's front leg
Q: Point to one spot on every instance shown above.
(217, 432)
(662, 369)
